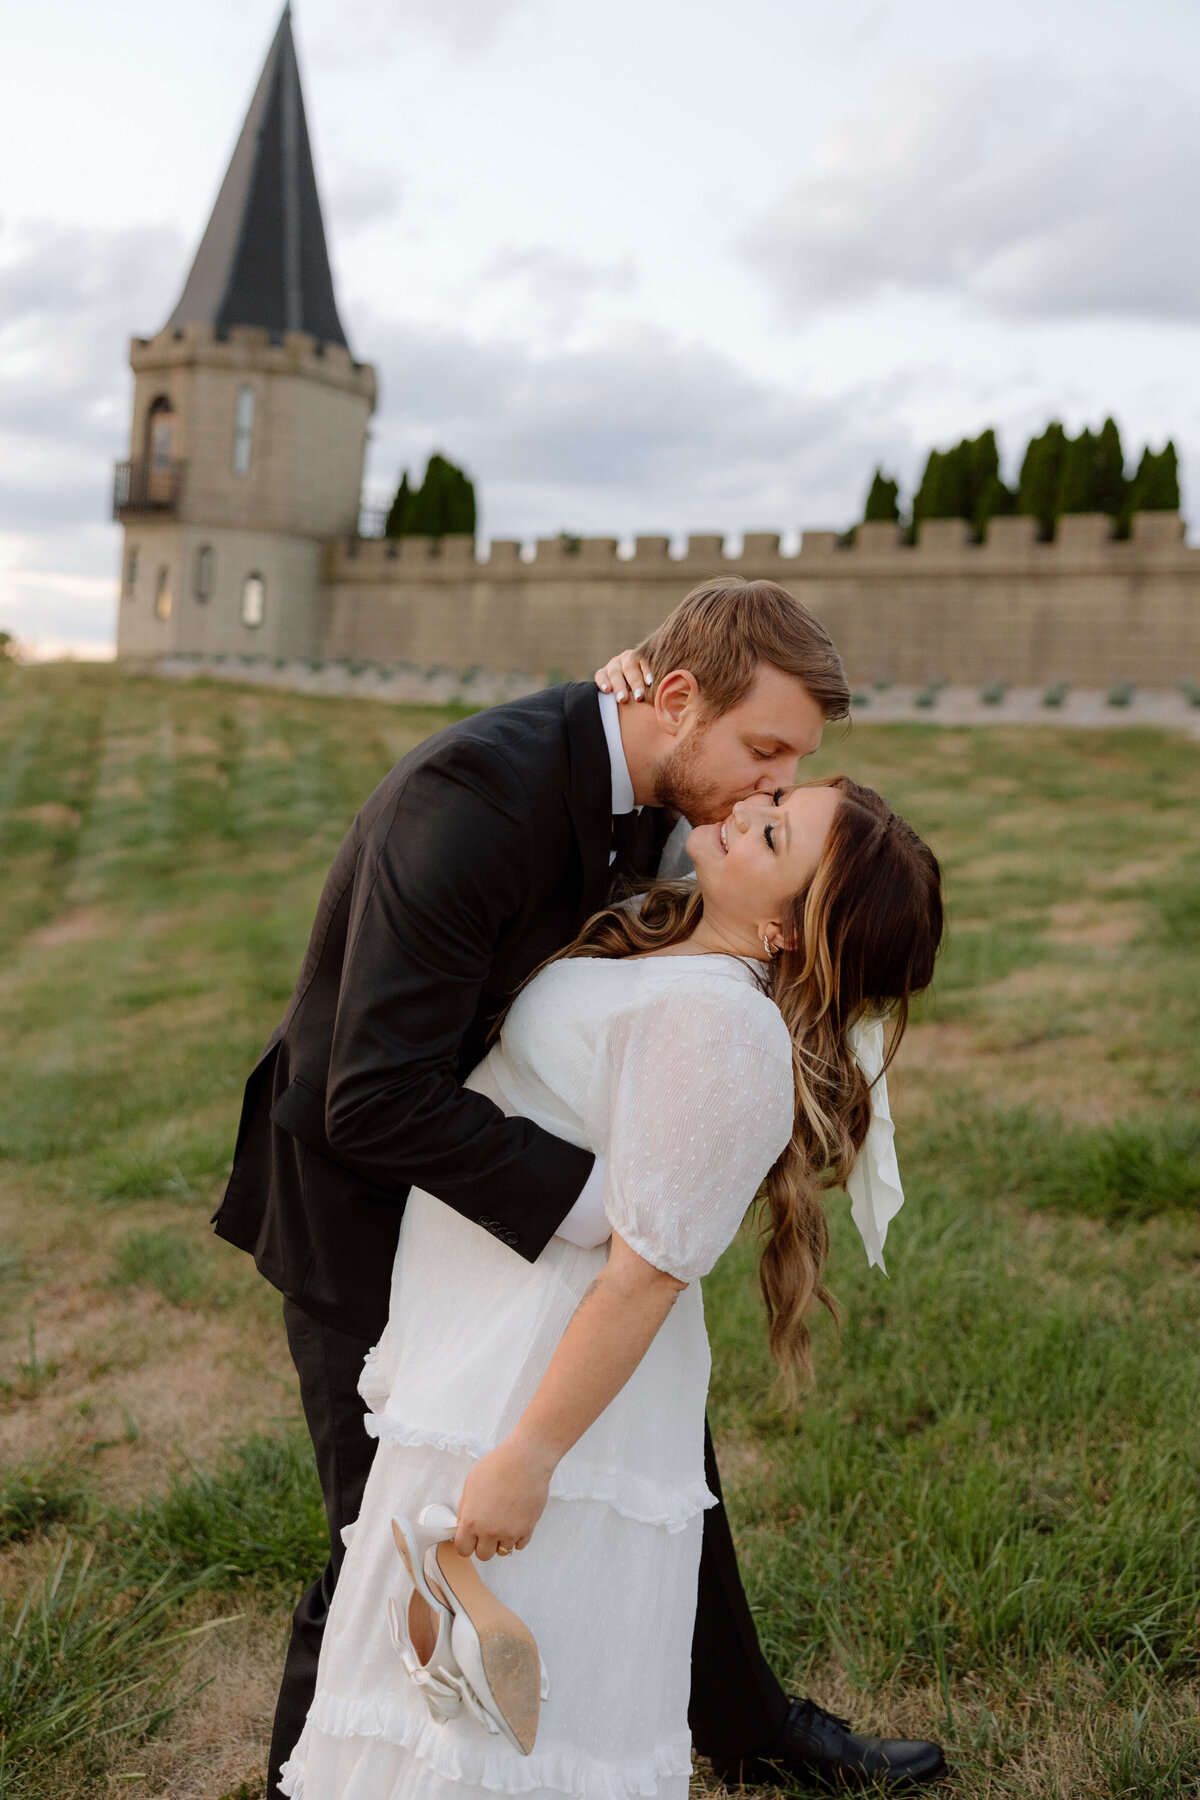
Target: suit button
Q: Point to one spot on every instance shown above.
(510, 1237)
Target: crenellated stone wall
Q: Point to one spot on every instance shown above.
(1084, 609)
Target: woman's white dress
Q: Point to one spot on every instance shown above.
(677, 1072)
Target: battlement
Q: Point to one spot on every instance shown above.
(875, 549)
(1086, 608)
(250, 348)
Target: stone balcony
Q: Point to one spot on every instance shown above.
(141, 488)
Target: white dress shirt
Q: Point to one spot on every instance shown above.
(587, 1224)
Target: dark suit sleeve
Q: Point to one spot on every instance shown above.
(431, 895)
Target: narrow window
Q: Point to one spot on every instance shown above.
(158, 433)
(162, 592)
(131, 572)
(160, 442)
(203, 580)
(243, 431)
(254, 600)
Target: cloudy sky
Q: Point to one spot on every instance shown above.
(651, 265)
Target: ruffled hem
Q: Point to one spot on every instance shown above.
(562, 1771)
(373, 1382)
(632, 1496)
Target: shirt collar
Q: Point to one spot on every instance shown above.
(622, 783)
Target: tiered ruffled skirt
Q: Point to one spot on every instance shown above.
(608, 1582)
(611, 1600)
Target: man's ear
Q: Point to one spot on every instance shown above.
(676, 697)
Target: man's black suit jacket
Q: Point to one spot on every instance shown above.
(479, 855)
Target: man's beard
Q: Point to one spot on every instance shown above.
(680, 787)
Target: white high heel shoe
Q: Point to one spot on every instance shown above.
(485, 1657)
(437, 1676)
(495, 1650)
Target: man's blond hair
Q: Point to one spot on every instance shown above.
(726, 627)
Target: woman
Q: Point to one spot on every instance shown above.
(699, 1047)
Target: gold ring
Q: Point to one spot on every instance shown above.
(505, 1549)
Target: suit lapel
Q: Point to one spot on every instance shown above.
(588, 792)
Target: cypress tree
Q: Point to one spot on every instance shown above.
(1109, 486)
(963, 483)
(397, 518)
(986, 494)
(1041, 478)
(443, 505)
(883, 501)
(1155, 487)
(937, 489)
(1077, 475)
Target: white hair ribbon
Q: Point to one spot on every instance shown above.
(874, 1182)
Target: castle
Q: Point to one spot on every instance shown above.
(240, 503)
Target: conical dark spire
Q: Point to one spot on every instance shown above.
(262, 260)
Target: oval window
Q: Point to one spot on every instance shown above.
(254, 600)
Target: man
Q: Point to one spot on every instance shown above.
(480, 854)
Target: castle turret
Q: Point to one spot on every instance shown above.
(249, 415)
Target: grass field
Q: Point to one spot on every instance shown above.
(984, 1524)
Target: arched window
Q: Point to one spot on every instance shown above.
(131, 573)
(254, 600)
(159, 421)
(202, 580)
(162, 592)
(243, 431)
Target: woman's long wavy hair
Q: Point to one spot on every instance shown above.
(863, 935)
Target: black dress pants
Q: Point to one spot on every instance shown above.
(737, 1707)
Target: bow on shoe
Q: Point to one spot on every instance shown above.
(440, 1682)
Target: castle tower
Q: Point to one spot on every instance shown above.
(249, 413)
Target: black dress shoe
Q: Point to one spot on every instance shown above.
(817, 1747)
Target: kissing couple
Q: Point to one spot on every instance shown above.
(510, 1120)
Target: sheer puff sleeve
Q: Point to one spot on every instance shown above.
(700, 1103)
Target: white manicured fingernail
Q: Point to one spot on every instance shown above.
(637, 693)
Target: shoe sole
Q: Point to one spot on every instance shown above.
(507, 1648)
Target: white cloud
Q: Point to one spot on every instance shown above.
(69, 299)
(637, 432)
(1013, 187)
(362, 197)
(536, 293)
(468, 28)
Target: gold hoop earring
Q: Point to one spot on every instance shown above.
(772, 950)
